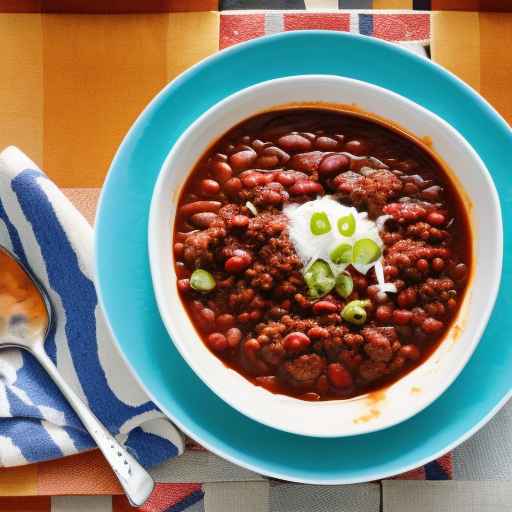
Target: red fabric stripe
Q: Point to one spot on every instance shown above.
(401, 27)
(237, 28)
(338, 21)
(164, 496)
(26, 504)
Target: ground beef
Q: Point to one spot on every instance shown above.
(379, 341)
(304, 370)
(371, 192)
(199, 250)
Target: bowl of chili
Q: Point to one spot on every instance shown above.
(326, 238)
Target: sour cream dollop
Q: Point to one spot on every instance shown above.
(320, 227)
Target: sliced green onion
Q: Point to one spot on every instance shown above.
(366, 251)
(342, 253)
(319, 278)
(354, 312)
(251, 208)
(347, 225)
(202, 281)
(344, 285)
(319, 223)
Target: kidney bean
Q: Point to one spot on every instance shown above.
(204, 219)
(459, 272)
(251, 180)
(322, 384)
(184, 285)
(418, 316)
(221, 171)
(225, 321)
(240, 222)
(432, 194)
(384, 313)
(438, 264)
(451, 304)
(233, 336)
(258, 145)
(243, 159)
(252, 345)
(390, 272)
(324, 307)
(295, 342)
(318, 332)
(402, 316)
(275, 151)
(294, 143)
(307, 162)
(233, 186)
(406, 298)
(333, 164)
(435, 309)
(209, 187)
(217, 341)
(221, 157)
(285, 179)
(199, 207)
(271, 197)
(267, 161)
(243, 318)
(436, 219)
(306, 188)
(326, 144)
(400, 260)
(236, 264)
(356, 147)
(206, 318)
(339, 375)
(179, 247)
(410, 352)
(431, 325)
(422, 265)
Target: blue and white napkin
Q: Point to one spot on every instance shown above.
(41, 226)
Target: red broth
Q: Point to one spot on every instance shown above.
(260, 318)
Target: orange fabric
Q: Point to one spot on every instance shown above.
(87, 473)
(87, 107)
(496, 61)
(20, 481)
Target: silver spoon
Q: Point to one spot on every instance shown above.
(26, 327)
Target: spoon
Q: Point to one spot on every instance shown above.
(25, 318)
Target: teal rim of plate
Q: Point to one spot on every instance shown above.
(121, 236)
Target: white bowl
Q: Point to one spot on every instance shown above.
(417, 389)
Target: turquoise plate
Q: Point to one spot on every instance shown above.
(126, 294)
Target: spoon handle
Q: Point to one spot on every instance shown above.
(135, 480)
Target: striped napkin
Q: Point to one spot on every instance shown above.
(41, 226)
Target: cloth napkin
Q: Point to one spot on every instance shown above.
(41, 226)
